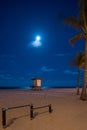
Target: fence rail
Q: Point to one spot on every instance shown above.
(31, 111)
(33, 108)
(9, 108)
(42, 107)
(18, 107)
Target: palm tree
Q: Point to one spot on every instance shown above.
(81, 24)
(78, 62)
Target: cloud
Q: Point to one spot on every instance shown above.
(59, 83)
(35, 43)
(70, 72)
(63, 54)
(6, 58)
(7, 79)
(44, 69)
(6, 76)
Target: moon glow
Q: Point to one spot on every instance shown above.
(37, 42)
(38, 38)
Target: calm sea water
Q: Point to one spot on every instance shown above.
(45, 87)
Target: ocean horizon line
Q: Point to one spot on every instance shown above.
(43, 87)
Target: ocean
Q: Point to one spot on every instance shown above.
(44, 87)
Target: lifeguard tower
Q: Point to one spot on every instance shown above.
(37, 83)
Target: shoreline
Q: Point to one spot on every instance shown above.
(43, 87)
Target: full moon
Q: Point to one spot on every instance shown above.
(37, 42)
(38, 38)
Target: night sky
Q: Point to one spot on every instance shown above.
(20, 22)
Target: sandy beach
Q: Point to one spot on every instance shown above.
(69, 112)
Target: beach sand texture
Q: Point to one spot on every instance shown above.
(69, 113)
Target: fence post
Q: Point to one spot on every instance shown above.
(4, 117)
(50, 109)
(31, 111)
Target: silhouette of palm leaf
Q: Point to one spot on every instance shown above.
(75, 38)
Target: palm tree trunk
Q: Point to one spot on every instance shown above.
(78, 81)
(83, 93)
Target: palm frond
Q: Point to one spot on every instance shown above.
(73, 62)
(75, 38)
(81, 17)
(73, 21)
(80, 4)
(78, 61)
(83, 9)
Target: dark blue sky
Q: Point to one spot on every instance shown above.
(20, 22)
